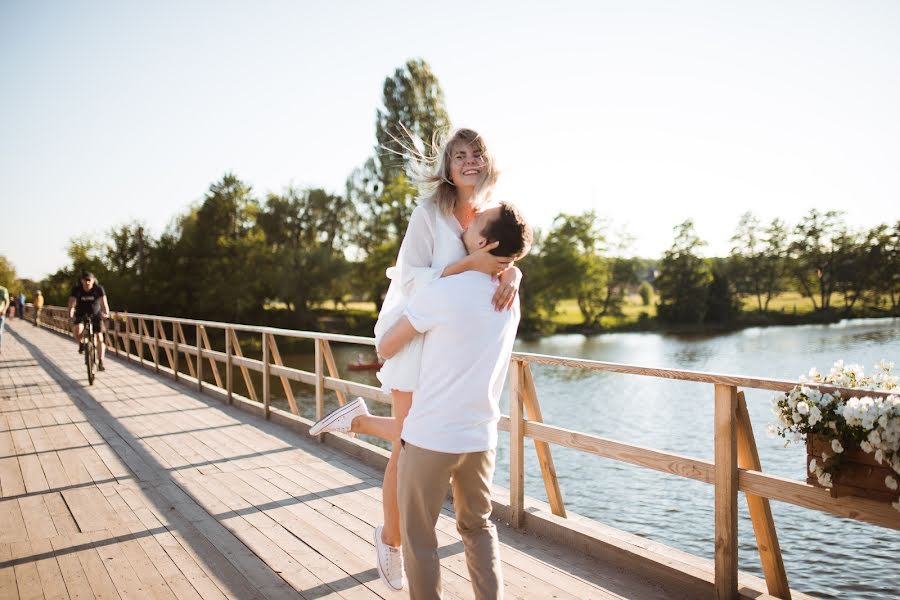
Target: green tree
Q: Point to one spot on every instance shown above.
(412, 100)
(684, 277)
(126, 257)
(645, 290)
(722, 304)
(305, 233)
(7, 273)
(575, 251)
(756, 262)
(885, 243)
(215, 273)
(814, 254)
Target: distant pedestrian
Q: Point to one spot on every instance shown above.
(38, 307)
(4, 302)
(21, 305)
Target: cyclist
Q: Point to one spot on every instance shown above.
(89, 298)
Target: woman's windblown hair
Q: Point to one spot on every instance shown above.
(430, 171)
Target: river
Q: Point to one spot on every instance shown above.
(826, 556)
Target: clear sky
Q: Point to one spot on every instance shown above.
(648, 112)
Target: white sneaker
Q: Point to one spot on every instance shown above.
(390, 563)
(340, 419)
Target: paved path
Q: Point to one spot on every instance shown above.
(136, 487)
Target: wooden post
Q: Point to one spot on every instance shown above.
(199, 358)
(229, 366)
(320, 382)
(266, 374)
(127, 338)
(116, 330)
(175, 348)
(141, 338)
(156, 345)
(332, 370)
(516, 447)
(760, 510)
(726, 482)
(545, 458)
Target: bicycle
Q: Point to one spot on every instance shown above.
(90, 346)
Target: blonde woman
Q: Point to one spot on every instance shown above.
(454, 184)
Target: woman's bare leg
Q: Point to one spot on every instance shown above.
(386, 428)
(390, 533)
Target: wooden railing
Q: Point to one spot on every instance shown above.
(736, 466)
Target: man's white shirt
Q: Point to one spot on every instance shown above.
(465, 359)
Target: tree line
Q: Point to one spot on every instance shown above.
(281, 258)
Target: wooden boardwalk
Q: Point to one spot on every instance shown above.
(139, 488)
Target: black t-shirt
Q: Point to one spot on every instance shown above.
(88, 302)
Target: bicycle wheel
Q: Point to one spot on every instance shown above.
(89, 361)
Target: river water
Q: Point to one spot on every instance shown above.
(826, 556)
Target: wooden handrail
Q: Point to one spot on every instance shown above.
(735, 469)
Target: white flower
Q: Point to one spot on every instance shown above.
(812, 466)
(815, 415)
(836, 446)
(866, 447)
(890, 482)
(874, 438)
(824, 480)
(879, 456)
(803, 407)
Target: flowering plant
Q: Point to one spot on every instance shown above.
(873, 424)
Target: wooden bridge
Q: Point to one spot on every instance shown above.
(154, 484)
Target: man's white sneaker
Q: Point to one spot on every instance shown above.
(390, 563)
(340, 419)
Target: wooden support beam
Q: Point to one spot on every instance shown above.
(164, 338)
(285, 383)
(760, 510)
(236, 351)
(187, 355)
(545, 458)
(726, 482)
(154, 347)
(212, 360)
(332, 370)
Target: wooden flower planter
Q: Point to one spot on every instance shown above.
(859, 474)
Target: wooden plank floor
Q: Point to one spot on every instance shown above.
(138, 488)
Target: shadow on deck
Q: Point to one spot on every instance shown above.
(137, 487)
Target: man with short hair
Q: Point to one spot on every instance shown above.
(4, 303)
(451, 429)
(88, 298)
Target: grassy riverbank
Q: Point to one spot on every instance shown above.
(785, 309)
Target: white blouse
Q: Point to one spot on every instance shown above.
(433, 241)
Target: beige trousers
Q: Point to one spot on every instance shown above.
(423, 479)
